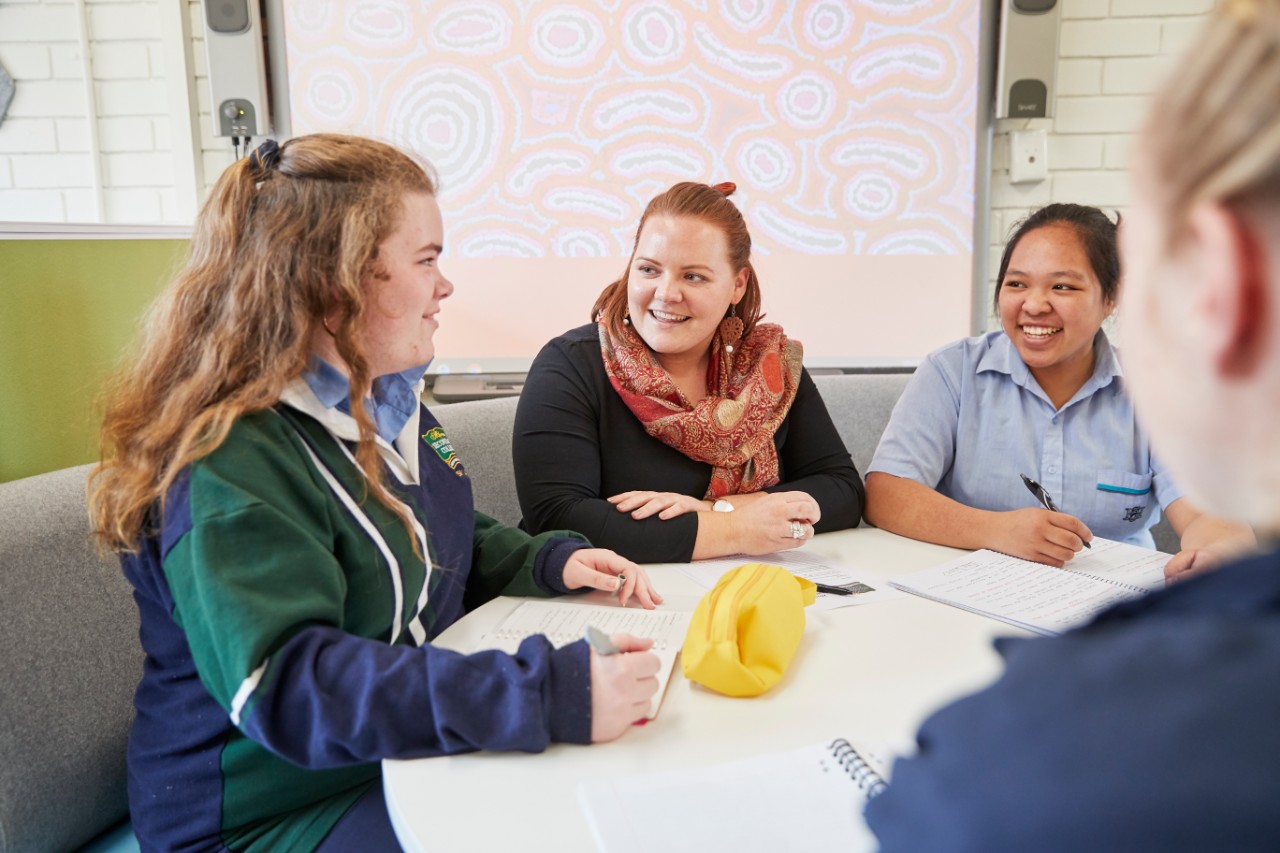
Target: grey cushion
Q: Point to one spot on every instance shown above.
(480, 431)
(1166, 539)
(860, 405)
(69, 661)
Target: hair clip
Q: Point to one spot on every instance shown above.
(264, 158)
(726, 188)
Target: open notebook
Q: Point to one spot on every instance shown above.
(806, 800)
(1041, 598)
(566, 621)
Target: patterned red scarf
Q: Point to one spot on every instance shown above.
(732, 428)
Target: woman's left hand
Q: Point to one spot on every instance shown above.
(600, 568)
(666, 504)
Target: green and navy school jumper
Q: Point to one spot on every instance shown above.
(287, 626)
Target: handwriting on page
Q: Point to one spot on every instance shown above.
(1030, 594)
(564, 623)
(1038, 597)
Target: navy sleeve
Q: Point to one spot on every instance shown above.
(332, 699)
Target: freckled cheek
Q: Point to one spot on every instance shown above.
(399, 303)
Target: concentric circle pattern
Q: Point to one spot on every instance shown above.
(848, 127)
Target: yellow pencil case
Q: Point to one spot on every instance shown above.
(746, 630)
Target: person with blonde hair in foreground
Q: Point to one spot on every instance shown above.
(297, 526)
(1154, 727)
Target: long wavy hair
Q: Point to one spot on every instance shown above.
(697, 201)
(288, 237)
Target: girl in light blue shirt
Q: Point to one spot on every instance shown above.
(1044, 397)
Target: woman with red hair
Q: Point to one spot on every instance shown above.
(677, 426)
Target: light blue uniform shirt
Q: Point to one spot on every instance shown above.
(395, 397)
(973, 418)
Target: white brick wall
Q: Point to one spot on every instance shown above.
(45, 159)
(1112, 56)
(216, 151)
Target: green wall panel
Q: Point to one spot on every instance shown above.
(68, 310)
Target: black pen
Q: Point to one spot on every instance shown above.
(834, 590)
(1043, 496)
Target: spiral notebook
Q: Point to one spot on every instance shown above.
(806, 800)
(1040, 598)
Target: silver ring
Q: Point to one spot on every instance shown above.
(797, 530)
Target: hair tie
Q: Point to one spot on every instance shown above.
(264, 159)
(725, 188)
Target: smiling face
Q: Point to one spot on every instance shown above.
(401, 318)
(1052, 305)
(679, 288)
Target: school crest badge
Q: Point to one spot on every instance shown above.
(1133, 513)
(440, 443)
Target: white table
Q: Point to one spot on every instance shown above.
(869, 672)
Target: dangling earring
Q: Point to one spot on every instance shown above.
(626, 317)
(731, 328)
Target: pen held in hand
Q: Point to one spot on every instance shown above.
(600, 641)
(1043, 496)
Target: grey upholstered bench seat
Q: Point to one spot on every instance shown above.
(69, 660)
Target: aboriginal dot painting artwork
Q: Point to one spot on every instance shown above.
(848, 127)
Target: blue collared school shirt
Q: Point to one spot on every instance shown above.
(973, 418)
(395, 396)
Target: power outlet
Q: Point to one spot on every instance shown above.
(1028, 156)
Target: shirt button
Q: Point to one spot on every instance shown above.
(1053, 470)
(1055, 419)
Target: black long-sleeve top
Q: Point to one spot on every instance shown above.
(576, 443)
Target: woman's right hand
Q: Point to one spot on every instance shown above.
(763, 520)
(667, 505)
(1039, 535)
(622, 686)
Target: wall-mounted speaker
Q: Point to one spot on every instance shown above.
(1027, 60)
(233, 44)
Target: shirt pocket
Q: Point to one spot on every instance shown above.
(1123, 500)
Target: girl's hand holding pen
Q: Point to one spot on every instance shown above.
(1039, 535)
(622, 685)
(1045, 499)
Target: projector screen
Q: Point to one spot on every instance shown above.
(849, 129)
